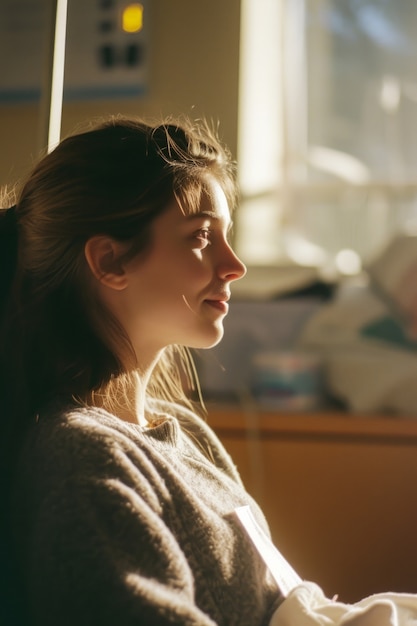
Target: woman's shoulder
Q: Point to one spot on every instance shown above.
(68, 423)
(82, 438)
(96, 439)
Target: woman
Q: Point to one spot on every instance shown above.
(121, 499)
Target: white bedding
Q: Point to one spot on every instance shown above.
(306, 605)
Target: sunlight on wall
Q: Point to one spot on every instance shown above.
(260, 105)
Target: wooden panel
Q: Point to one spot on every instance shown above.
(339, 494)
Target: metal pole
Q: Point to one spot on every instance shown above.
(53, 88)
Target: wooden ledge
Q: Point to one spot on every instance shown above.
(234, 420)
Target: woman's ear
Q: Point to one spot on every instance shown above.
(103, 257)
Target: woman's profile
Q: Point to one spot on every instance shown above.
(119, 499)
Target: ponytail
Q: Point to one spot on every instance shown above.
(12, 597)
(8, 267)
(8, 271)
(8, 252)
(9, 386)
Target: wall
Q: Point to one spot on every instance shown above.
(194, 70)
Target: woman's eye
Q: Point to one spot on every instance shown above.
(203, 235)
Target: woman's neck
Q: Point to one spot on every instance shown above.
(124, 398)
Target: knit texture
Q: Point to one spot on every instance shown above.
(119, 525)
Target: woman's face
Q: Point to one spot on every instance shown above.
(178, 292)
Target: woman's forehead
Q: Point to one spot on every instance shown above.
(207, 198)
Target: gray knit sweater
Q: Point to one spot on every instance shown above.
(119, 525)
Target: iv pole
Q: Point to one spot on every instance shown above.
(51, 113)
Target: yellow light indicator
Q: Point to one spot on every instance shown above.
(132, 18)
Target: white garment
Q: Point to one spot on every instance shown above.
(306, 605)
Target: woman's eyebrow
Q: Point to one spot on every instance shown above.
(211, 215)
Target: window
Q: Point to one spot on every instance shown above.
(327, 130)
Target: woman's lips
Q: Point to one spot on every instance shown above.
(220, 305)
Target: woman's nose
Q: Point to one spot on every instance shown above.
(231, 267)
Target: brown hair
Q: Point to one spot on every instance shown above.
(113, 178)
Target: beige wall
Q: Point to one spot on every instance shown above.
(194, 55)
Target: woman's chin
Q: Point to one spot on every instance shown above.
(210, 340)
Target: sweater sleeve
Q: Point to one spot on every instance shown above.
(101, 550)
(95, 547)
